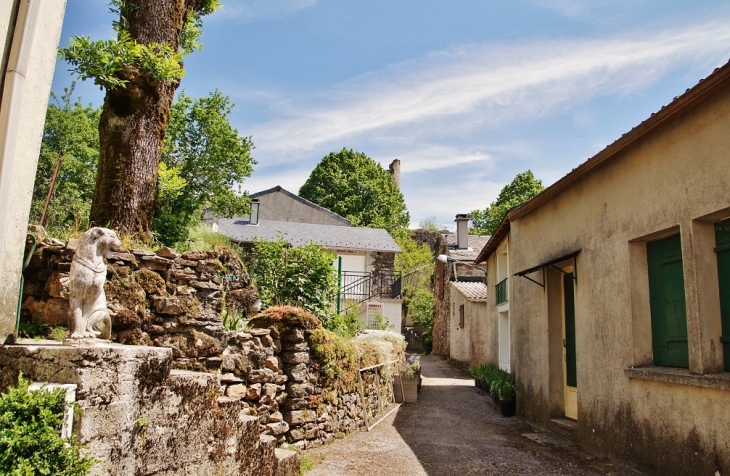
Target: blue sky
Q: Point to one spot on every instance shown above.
(466, 93)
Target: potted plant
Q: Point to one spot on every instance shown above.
(407, 383)
(505, 391)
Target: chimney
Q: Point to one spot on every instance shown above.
(253, 218)
(462, 231)
(394, 170)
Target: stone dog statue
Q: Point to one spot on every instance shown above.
(89, 317)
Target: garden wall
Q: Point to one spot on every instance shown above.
(172, 300)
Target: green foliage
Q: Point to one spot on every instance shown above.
(202, 238)
(233, 320)
(204, 159)
(110, 62)
(522, 188)
(500, 382)
(345, 325)
(414, 258)
(419, 302)
(353, 185)
(429, 224)
(30, 441)
(72, 130)
(301, 277)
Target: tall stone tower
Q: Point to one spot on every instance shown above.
(394, 170)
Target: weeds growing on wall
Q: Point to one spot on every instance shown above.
(30, 441)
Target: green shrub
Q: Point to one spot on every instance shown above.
(30, 441)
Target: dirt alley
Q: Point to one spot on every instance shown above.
(455, 429)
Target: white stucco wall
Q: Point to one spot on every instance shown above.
(33, 44)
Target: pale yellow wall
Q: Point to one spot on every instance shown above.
(22, 113)
(277, 206)
(476, 342)
(670, 180)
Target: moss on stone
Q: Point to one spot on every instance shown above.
(282, 317)
(151, 282)
(337, 360)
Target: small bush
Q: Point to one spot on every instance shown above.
(30, 441)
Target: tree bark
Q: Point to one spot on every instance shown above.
(133, 123)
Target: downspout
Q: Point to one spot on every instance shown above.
(12, 96)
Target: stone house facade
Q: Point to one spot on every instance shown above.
(617, 300)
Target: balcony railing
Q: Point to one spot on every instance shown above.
(501, 292)
(357, 287)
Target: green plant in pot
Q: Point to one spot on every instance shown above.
(505, 391)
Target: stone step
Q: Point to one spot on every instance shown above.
(287, 463)
(564, 427)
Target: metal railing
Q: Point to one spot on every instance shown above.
(357, 287)
(501, 292)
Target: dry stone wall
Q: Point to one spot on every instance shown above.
(175, 301)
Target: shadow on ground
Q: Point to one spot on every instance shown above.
(457, 429)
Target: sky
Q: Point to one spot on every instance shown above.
(466, 93)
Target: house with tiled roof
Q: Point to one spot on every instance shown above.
(364, 256)
(618, 303)
(463, 248)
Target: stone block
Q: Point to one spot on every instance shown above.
(295, 357)
(253, 392)
(276, 417)
(298, 373)
(166, 305)
(237, 391)
(194, 255)
(166, 252)
(296, 347)
(261, 376)
(57, 285)
(278, 428)
(209, 266)
(292, 335)
(300, 390)
(272, 363)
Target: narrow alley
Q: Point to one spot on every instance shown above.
(455, 429)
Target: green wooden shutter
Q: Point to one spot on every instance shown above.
(570, 357)
(722, 248)
(666, 295)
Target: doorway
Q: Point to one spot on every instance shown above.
(570, 381)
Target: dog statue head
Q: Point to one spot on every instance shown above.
(105, 240)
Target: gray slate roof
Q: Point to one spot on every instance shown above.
(472, 291)
(476, 243)
(298, 234)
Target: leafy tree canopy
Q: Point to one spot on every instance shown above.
(522, 188)
(204, 159)
(353, 185)
(72, 131)
(105, 61)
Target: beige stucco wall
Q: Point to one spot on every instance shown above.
(476, 342)
(676, 179)
(25, 92)
(278, 206)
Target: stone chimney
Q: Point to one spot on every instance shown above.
(462, 231)
(394, 170)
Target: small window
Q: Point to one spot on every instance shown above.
(374, 315)
(461, 316)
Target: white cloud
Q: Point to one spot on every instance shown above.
(249, 10)
(456, 90)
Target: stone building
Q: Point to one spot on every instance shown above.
(365, 257)
(464, 248)
(616, 305)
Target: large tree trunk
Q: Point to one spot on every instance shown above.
(133, 123)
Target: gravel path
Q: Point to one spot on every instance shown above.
(455, 429)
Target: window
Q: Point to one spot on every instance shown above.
(461, 316)
(374, 315)
(722, 250)
(667, 302)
